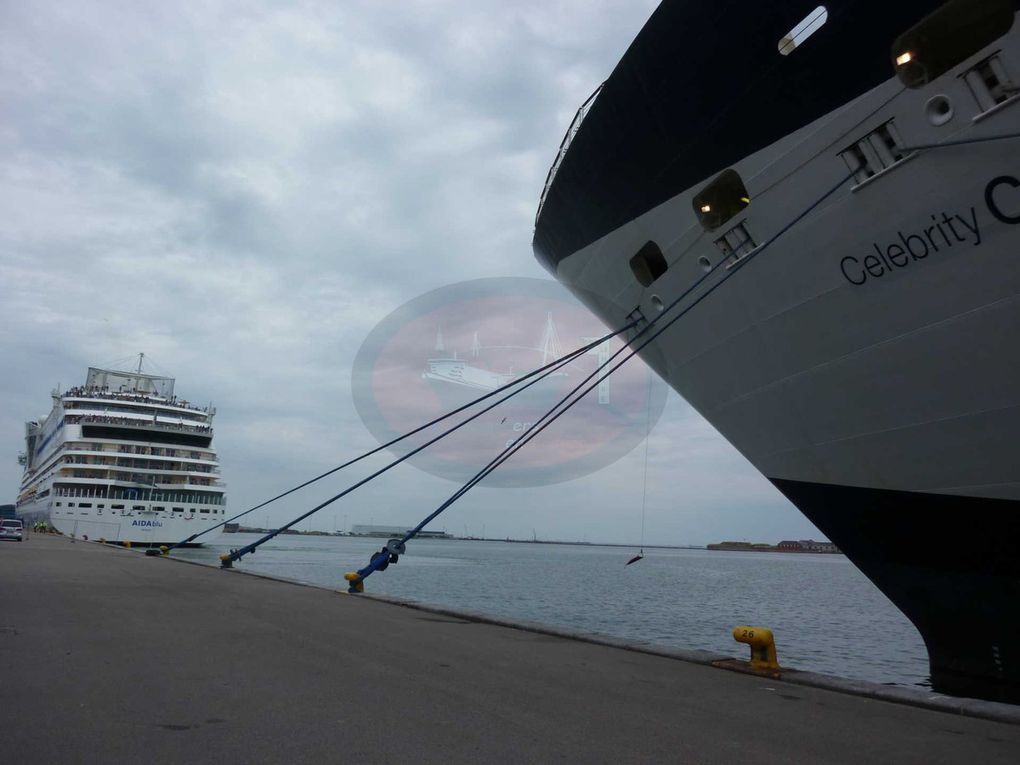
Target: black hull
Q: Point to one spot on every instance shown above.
(948, 562)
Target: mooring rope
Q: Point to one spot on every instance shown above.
(572, 355)
(356, 578)
(380, 560)
(396, 547)
(235, 555)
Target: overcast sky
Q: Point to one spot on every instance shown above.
(244, 190)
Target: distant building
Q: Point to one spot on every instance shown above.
(362, 530)
(811, 545)
(787, 545)
(7, 511)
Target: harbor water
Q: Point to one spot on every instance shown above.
(826, 616)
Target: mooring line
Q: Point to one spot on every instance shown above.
(572, 355)
(551, 415)
(384, 557)
(228, 559)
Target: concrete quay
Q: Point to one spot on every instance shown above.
(108, 656)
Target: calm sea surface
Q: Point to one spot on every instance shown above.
(826, 616)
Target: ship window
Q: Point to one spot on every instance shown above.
(989, 83)
(137, 507)
(807, 27)
(204, 510)
(101, 506)
(944, 38)
(58, 504)
(649, 264)
(720, 200)
(116, 507)
(159, 509)
(178, 509)
(875, 152)
(736, 242)
(85, 504)
(70, 504)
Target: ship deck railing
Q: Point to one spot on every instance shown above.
(575, 125)
(164, 467)
(141, 495)
(152, 399)
(141, 422)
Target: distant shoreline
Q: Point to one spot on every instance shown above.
(806, 546)
(716, 547)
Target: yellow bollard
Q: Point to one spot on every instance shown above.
(102, 540)
(357, 584)
(763, 646)
(164, 550)
(127, 545)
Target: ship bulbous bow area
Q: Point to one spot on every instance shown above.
(948, 562)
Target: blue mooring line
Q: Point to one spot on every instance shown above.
(227, 560)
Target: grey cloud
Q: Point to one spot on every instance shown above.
(243, 190)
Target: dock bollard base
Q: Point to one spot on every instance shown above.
(736, 665)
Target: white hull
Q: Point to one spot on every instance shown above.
(141, 527)
(908, 381)
(863, 352)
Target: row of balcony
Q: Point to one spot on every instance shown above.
(155, 451)
(145, 495)
(145, 479)
(143, 464)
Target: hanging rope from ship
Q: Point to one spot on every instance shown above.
(644, 480)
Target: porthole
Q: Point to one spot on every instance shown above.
(705, 263)
(939, 110)
(657, 303)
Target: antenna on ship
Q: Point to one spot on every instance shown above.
(141, 358)
(475, 346)
(439, 339)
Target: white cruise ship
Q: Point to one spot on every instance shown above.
(122, 458)
(830, 196)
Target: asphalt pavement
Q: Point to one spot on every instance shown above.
(108, 656)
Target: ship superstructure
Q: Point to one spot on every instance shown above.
(122, 458)
(865, 359)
